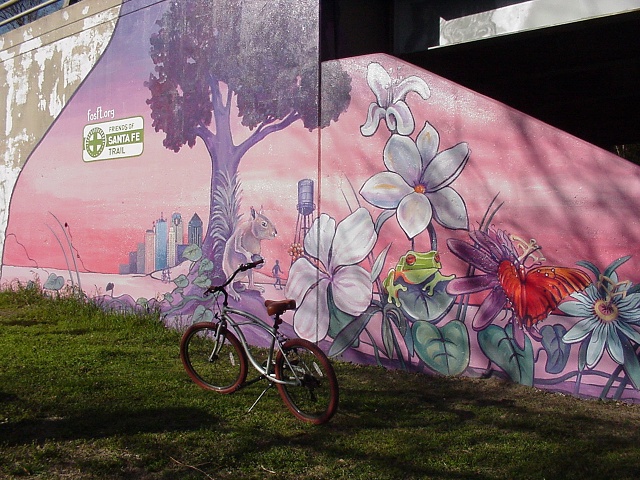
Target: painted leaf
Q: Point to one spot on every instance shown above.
(338, 320)
(503, 350)
(202, 281)
(392, 313)
(202, 314)
(193, 253)
(418, 304)
(557, 351)
(387, 338)
(582, 356)
(181, 281)
(206, 265)
(631, 364)
(142, 302)
(54, 282)
(383, 217)
(444, 349)
(349, 335)
(379, 263)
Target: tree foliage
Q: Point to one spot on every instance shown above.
(265, 53)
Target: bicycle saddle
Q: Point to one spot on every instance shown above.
(278, 307)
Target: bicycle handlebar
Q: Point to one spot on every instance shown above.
(242, 268)
(247, 266)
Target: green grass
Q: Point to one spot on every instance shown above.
(90, 395)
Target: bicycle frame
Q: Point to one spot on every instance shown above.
(225, 320)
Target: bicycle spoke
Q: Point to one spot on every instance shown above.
(314, 396)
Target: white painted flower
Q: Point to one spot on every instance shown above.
(610, 315)
(416, 183)
(338, 251)
(390, 101)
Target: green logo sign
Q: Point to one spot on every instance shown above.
(120, 138)
(94, 142)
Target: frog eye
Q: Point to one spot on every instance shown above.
(436, 258)
(410, 259)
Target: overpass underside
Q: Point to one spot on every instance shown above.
(581, 76)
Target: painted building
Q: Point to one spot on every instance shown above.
(420, 225)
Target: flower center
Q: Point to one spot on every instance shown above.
(420, 189)
(606, 311)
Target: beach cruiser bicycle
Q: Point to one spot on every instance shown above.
(217, 355)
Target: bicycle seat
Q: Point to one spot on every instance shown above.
(278, 307)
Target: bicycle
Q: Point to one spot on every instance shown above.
(216, 355)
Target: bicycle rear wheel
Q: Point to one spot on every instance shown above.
(213, 362)
(315, 398)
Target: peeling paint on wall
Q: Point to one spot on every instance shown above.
(40, 69)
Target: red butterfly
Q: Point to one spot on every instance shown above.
(533, 294)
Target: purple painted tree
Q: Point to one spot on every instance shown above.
(262, 54)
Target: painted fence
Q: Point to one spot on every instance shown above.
(150, 147)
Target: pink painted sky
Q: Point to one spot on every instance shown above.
(578, 201)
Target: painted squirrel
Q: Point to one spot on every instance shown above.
(244, 246)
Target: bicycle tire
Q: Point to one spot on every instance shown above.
(316, 400)
(223, 374)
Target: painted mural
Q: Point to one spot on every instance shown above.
(417, 224)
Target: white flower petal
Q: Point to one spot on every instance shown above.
(400, 118)
(385, 190)
(355, 237)
(614, 345)
(629, 307)
(596, 345)
(428, 142)
(589, 296)
(411, 84)
(311, 319)
(401, 156)
(445, 167)
(575, 308)
(414, 214)
(380, 82)
(317, 241)
(374, 115)
(352, 289)
(449, 208)
(302, 276)
(580, 330)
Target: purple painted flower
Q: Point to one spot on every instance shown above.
(390, 101)
(338, 250)
(416, 183)
(489, 250)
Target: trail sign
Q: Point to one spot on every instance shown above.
(120, 138)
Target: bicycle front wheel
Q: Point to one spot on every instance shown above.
(214, 362)
(314, 396)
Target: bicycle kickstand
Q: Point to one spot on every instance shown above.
(260, 396)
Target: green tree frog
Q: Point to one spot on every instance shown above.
(414, 268)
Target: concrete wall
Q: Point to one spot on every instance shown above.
(444, 233)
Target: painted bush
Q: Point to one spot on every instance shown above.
(417, 224)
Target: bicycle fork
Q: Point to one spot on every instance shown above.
(218, 342)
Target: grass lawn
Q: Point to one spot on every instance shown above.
(90, 395)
